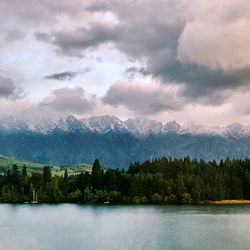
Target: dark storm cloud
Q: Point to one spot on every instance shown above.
(7, 87)
(201, 81)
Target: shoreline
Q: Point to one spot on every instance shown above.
(222, 202)
(225, 202)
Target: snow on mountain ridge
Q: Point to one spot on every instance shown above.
(171, 127)
(191, 128)
(105, 124)
(237, 130)
(143, 126)
(13, 123)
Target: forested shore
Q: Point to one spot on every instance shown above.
(160, 181)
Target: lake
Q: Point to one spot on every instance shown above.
(74, 227)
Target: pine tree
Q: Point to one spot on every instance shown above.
(24, 171)
(15, 177)
(46, 174)
(66, 177)
(65, 182)
(97, 175)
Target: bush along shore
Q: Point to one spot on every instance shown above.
(160, 181)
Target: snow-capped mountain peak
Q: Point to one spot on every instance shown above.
(237, 130)
(143, 126)
(171, 127)
(106, 124)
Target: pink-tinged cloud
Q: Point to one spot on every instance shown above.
(66, 100)
(143, 97)
(218, 37)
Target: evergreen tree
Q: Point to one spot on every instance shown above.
(157, 181)
(47, 174)
(66, 177)
(24, 171)
(15, 177)
(65, 187)
(97, 175)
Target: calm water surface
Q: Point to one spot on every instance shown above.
(74, 227)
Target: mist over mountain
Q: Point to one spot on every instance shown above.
(67, 141)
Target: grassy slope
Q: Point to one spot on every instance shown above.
(7, 162)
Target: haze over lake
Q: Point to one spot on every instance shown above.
(68, 226)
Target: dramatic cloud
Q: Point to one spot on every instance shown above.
(66, 100)
(7, 87)
(143, 98)
(175, 55)
(181, 44)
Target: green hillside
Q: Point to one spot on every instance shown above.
(7, 162)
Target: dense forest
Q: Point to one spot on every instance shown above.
(159, 181)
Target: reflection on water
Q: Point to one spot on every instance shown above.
(75, 227)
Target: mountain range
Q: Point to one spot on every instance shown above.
(67, 141)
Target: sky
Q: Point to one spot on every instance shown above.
(166, 60)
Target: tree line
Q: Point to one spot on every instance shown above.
(159, 181)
